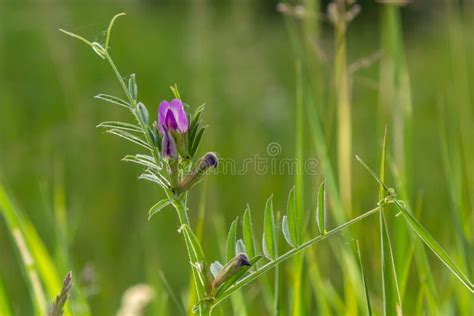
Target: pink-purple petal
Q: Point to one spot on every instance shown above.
(177, 108)
(168, 147)
(162, 110)
(170, 121)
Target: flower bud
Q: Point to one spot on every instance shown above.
(208, 162)
(230, 269)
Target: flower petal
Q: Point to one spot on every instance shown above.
(170, 121)
(180, 115)
(162, 110)
(168, 146)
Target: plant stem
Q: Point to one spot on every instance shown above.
(293, 252)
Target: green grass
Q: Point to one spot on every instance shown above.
(320, 89)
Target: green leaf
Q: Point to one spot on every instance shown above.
(38, 265)
(158, 207)
(175, 91)
(424, 235)
(109, 29)
(240, 247)
(142, 161)
(130, 137)
(367, 296)
(269, 235)
(197, 141)
(5, 308)
(231, 240)
(120, 126)
(197, 255)
(247, 231)
(391, 293)
(132, 87)
(293, 222)
(216, 267)
(152, 177)
(113, 100)
(321, 210)
(286, 231)
(142, 113)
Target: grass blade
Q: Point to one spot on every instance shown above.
(391, 293)
(424, 235)
(38, 265)
(364, 280)
(321, 211)
(5, 308)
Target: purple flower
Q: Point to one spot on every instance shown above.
(168, 146)
(173, 125)
(172, 117)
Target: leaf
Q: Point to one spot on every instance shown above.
(424, 235)
(148, 175)
(158, 207)
(113, 100)
(216, 267)
(286, 231)
(132, 87)
(109, 29)
(130, 137)
(240, 247)
(321, 210)
(231, 240)
(367, 296)
(391, 294)
(143, 162)
(37, 263)
(269, 238)
(142, 113)
(175, 91)
(197, 141)
(292, 221)
(247, 231)
(197, 255)
(121, 126)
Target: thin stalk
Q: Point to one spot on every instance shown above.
(297, 266)
(291, 253)
(344, 142)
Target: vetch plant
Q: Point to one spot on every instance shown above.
(169, 161)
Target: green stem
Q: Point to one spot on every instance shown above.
(291, 253)
(180, 204)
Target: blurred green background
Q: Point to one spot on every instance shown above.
(236, 57)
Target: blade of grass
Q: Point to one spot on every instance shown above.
(424, 235)
(364, 280)
(295, 206)
(5, 308)
(37, 263)
(391, 294)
